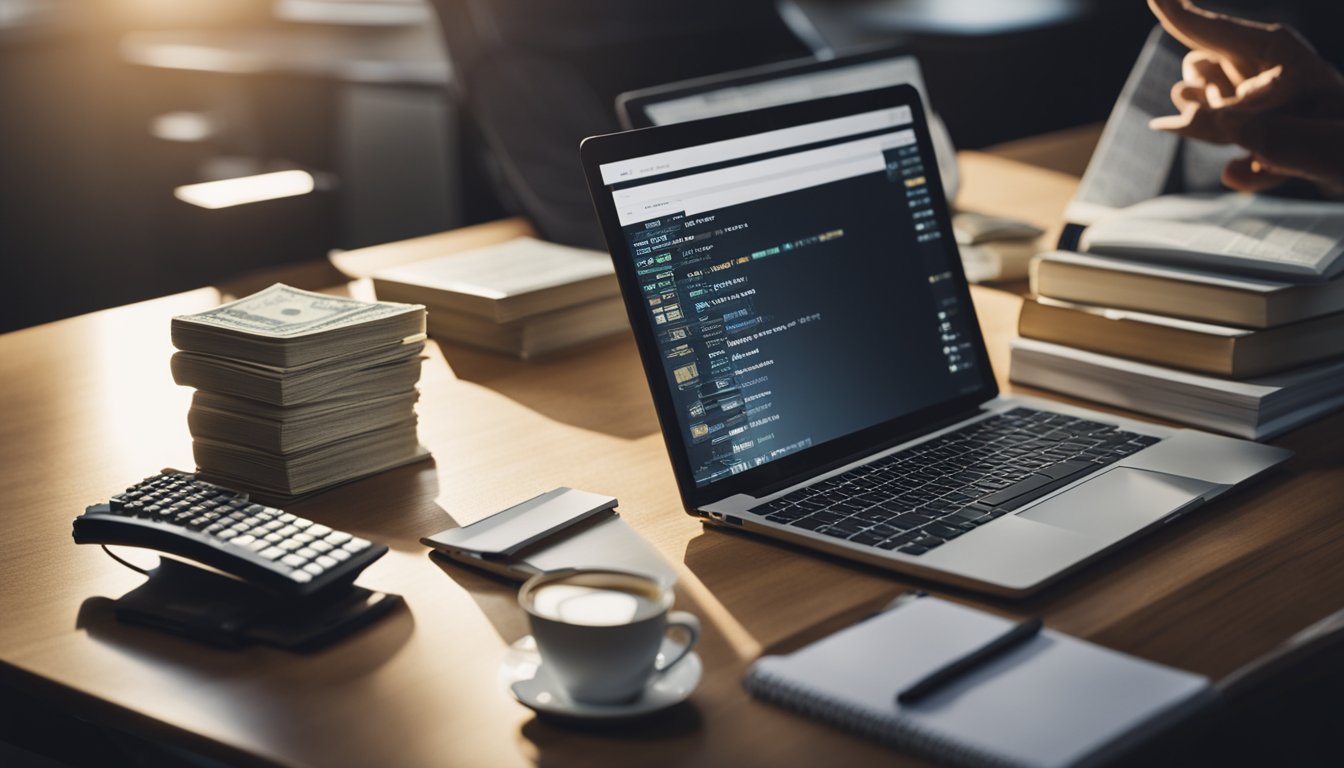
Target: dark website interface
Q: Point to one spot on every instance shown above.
(805, 307)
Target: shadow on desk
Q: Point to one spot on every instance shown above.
(361, 653)
(496, 597)
(362, 507)
(1126, 600)
(756, 583)
(598, 386)
(657, 730)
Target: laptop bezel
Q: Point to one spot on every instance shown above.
(789, 470)
(632, 106)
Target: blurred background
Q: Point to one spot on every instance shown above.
(347, 123)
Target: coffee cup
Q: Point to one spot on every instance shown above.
(600, 631)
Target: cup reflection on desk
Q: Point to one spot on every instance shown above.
(599, 631)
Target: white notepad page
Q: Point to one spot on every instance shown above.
(1050, 702)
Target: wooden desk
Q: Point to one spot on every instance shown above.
(90, 406)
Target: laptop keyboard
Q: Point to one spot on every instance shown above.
(928, 494)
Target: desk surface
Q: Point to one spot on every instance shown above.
(90, 406)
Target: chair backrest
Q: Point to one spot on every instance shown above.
(1301, 657)
(1280, 709)
(536, 78)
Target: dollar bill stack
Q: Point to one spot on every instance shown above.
(299, 391)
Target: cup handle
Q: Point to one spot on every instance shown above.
(687, 622)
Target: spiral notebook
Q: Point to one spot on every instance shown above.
(1053, 701)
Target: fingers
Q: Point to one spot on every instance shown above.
(1209, 115)
(1174, 123)
(1184, 95)
(1247, 174)
(1282, 147)
(1234, 91)
(1243, 44)
(1205, 69)
(1264, 92)
(1195, 121)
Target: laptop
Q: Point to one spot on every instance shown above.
(787, 82)
(818, 371)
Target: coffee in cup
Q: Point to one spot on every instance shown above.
(599, 631)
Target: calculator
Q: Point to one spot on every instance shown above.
(178, 514)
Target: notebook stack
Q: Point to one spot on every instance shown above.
(1248, 356)
(299, 391)
(524, 297)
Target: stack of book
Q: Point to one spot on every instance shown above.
(524, 297)
(1248, 356)
(1177, 298)
(299, 391)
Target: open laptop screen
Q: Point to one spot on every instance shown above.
(772, 85)
(789, 82)
(797, 286)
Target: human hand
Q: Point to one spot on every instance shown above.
(1260, 86)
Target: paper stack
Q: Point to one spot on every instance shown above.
(300, 391)
(524, 297)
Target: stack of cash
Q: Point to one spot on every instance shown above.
(299, 391)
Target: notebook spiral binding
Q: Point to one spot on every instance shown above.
(883, 727)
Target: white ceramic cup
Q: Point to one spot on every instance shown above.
(599, 631)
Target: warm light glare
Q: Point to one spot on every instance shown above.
(182, 127)
(246, 189)
(353, 12)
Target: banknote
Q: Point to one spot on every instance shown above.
(315, 468)
(228, 377)
(284, 312)
(298, 391)
(214, 402)
(287, 328)
(286, 438)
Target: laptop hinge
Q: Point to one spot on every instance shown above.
(905, 437)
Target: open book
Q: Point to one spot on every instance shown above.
(1157, 197)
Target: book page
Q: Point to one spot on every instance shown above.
(518, 266)
(1132, 161)
(1200, 164)
(1267, 235)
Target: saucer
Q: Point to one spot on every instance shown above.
(526, 678)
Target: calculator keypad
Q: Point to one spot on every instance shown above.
(304, 553)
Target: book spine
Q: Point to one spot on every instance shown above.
(1070, 236)
(881, 727)
(1104, 286)
(1132, 339)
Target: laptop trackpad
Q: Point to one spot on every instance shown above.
(1118, 502)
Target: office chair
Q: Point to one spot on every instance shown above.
(999, 71)
(1280, 709)
(536, 78)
